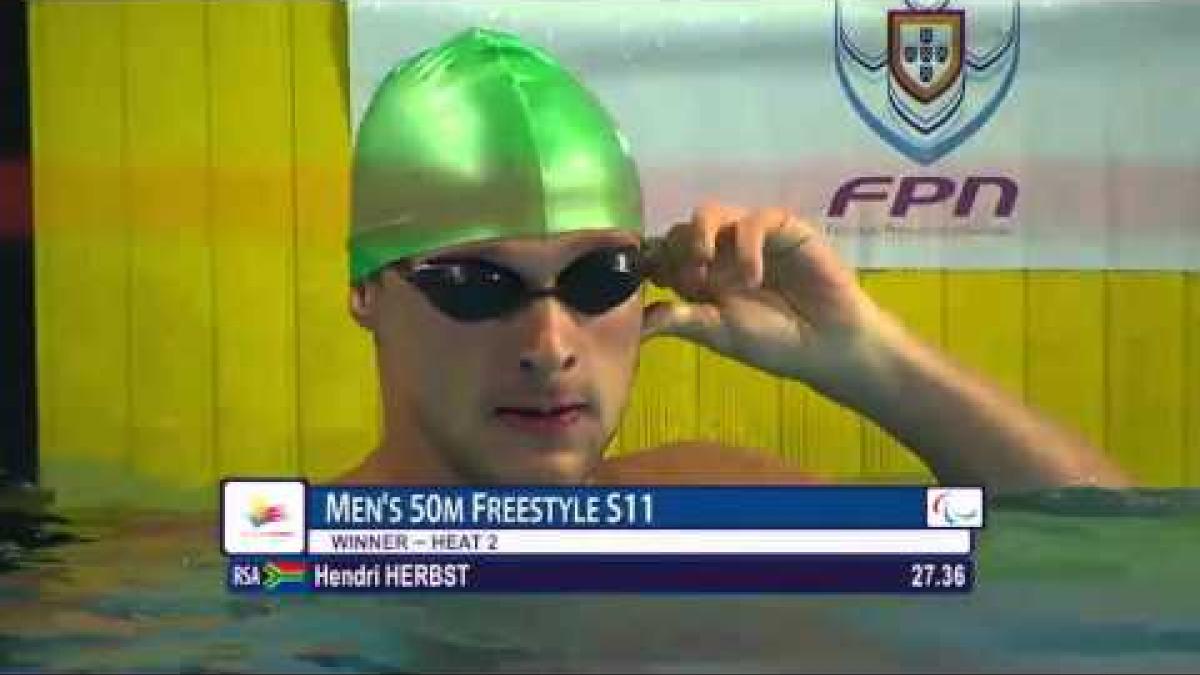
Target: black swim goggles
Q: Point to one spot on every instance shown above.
(470, 289)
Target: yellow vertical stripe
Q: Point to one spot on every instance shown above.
(1066, 369)
(1145, 381)
(915, 296)
(662, 406)
(81, 254)
(338, 401)
(793, 403)
(167, 127)
(1191, 381)
(249, 84)
(737, 405)
(985, 324)
(829, 442)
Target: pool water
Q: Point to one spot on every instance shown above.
(1078, 580)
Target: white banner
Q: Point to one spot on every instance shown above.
(920, 133)
(647, 542)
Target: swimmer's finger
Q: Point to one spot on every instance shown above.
(698, 322)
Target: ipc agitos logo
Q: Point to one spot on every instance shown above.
(954, 507)
(924, 75)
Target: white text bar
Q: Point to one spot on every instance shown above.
(617, 542)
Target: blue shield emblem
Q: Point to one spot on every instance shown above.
(923, 75)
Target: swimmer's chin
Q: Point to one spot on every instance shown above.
(523, 461)
(515, 465)
(566, 470)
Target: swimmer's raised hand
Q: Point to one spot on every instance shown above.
(765, 288)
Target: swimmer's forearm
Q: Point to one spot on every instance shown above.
(967, 430)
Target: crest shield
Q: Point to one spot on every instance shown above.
(924, 75)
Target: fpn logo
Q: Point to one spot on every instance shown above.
(922, 74)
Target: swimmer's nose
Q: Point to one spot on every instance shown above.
(547, 347)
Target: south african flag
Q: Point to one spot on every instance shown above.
(283, 573)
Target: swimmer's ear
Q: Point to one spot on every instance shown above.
(363, 300)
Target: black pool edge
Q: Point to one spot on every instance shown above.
(18, 410)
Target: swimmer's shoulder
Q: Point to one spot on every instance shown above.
(701, 463)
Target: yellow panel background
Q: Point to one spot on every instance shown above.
(82, 248)
(250, 142)
(336, 389)
(191, 174)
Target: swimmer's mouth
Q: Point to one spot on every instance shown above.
(543, 421)
(542, 412)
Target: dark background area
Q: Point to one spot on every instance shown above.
(18, 414)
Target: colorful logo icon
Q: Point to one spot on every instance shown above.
(262, 512)
(283, 573)
(262, 517)
(923, 75)
(955, 507)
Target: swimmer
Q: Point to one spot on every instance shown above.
(497, 260)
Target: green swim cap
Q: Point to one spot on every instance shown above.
(480, 138)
